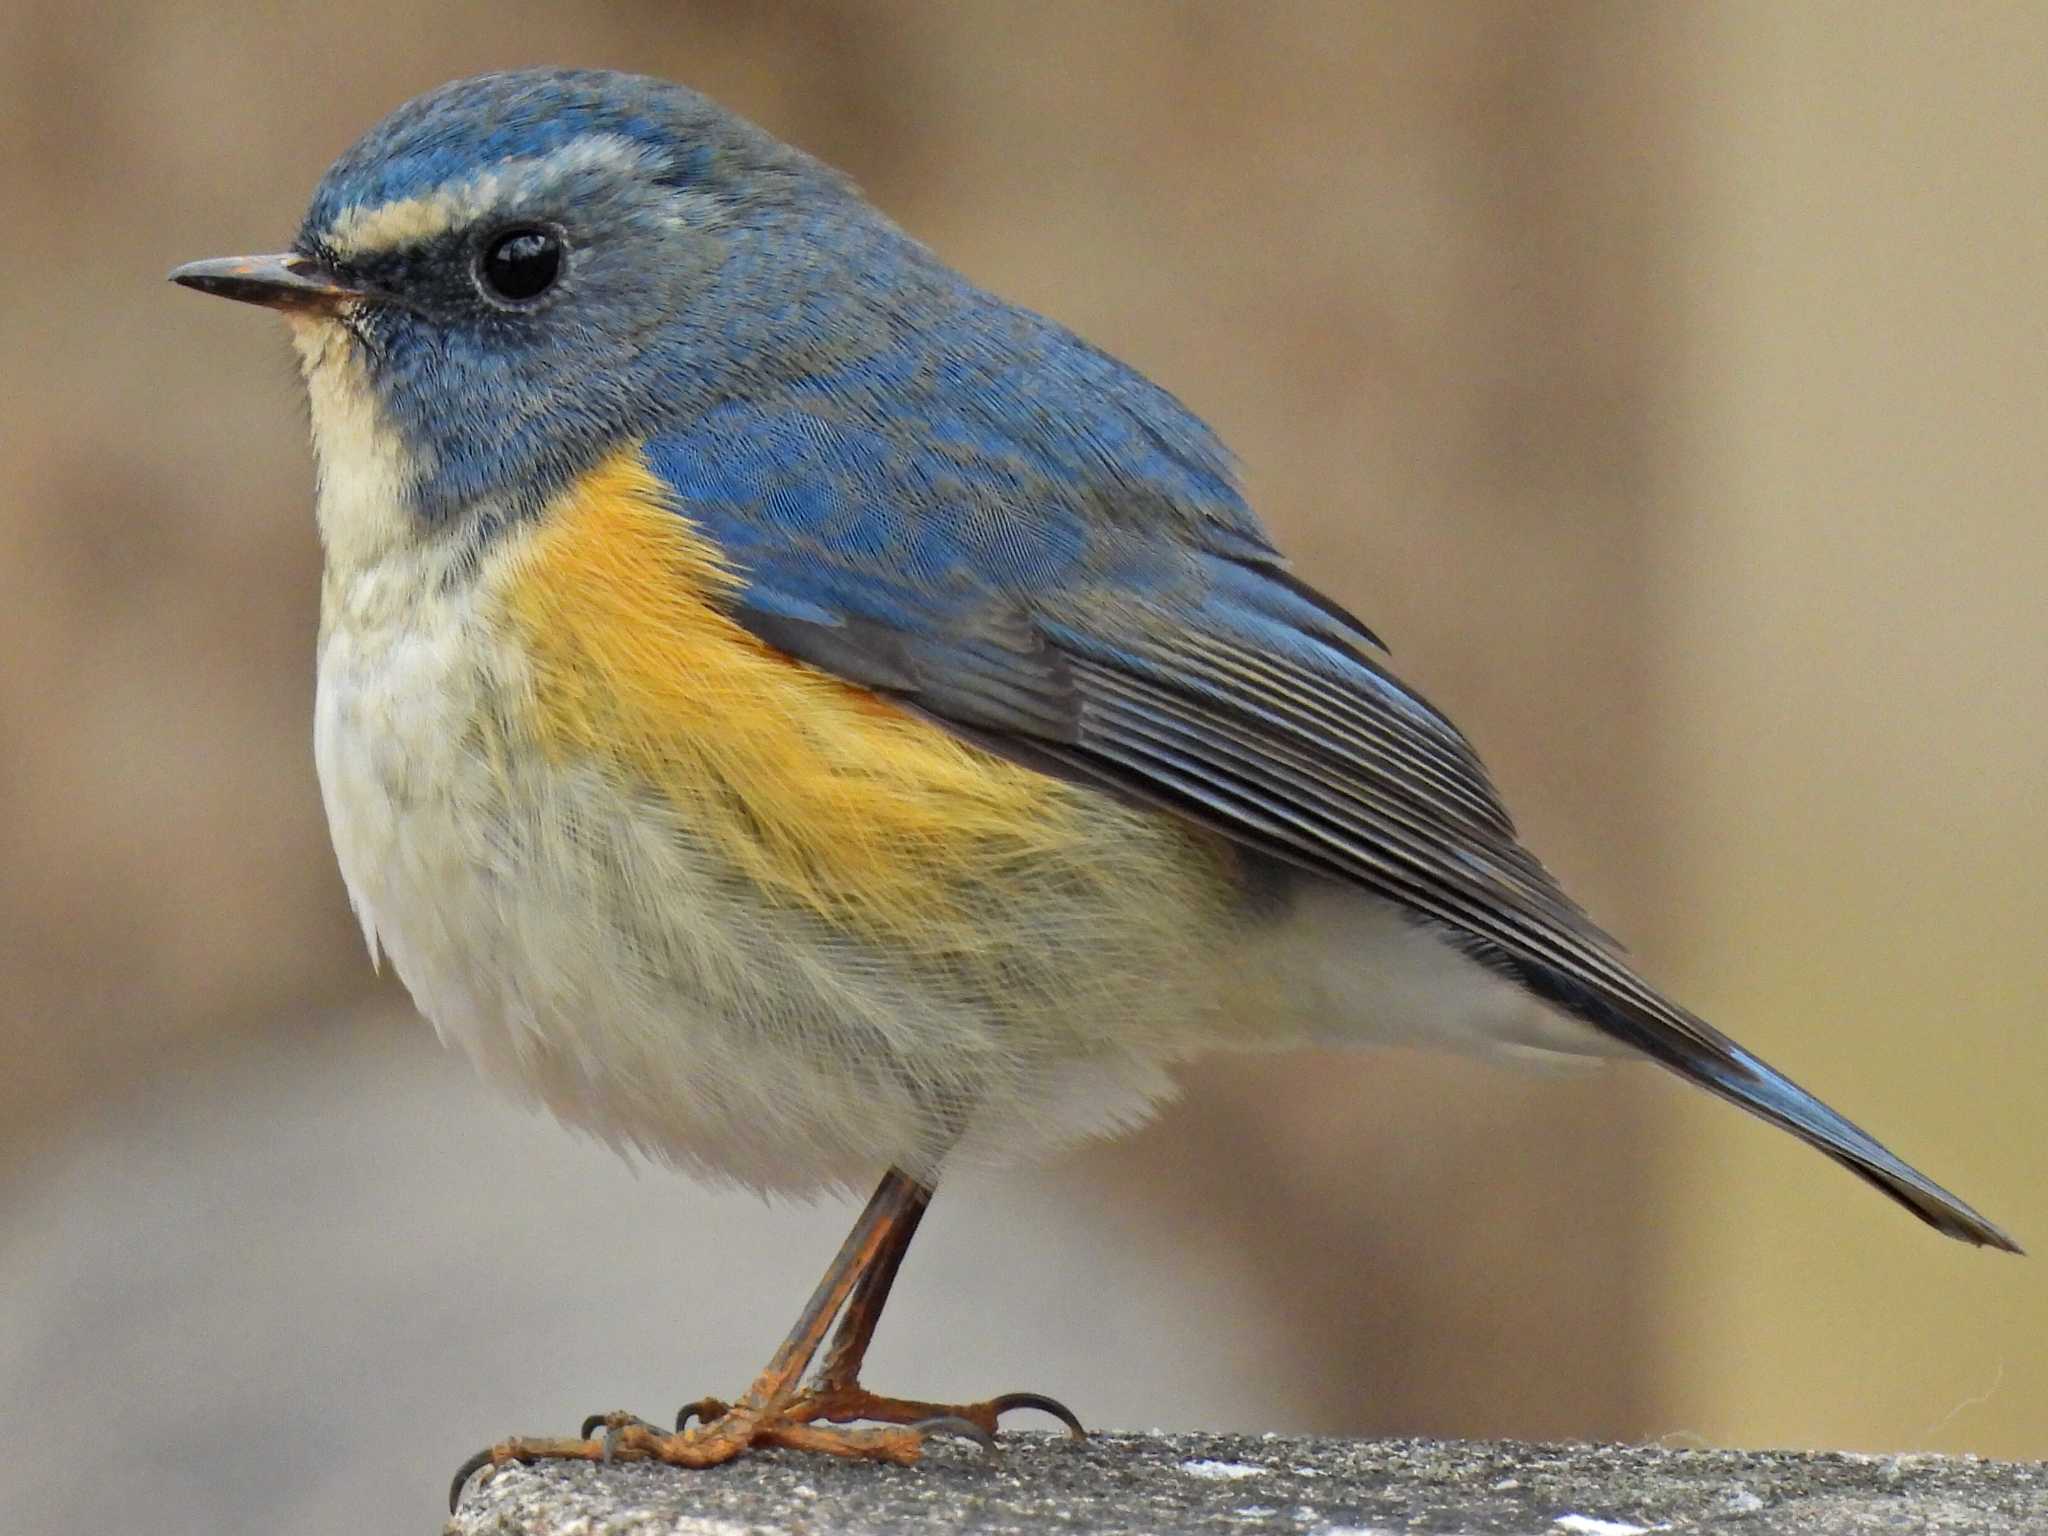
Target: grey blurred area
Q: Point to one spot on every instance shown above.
(1469, 288)
(293, 1286)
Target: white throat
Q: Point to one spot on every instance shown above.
(365, 470)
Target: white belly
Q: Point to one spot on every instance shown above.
(588, 952)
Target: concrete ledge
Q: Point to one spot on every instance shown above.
(1117, 1484)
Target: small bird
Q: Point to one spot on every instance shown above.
(800, 717)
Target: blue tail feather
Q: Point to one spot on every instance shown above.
(1701, 1054)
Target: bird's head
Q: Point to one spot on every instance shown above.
(514, 274)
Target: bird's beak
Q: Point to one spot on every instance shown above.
(287, 281)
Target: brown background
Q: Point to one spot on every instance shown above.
(1668, 384)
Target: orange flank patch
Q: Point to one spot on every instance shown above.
(824, 795)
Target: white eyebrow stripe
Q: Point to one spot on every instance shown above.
(410, 220)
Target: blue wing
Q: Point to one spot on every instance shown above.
(1035, 546)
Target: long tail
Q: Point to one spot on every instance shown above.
(1698, 1052)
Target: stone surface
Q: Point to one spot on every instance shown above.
(1116, 1484)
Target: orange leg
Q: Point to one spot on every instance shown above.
(773, 1411)
(838, 1395)
(864, 1311)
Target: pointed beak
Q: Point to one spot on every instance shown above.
(288, 281)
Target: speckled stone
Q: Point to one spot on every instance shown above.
(1116, 1484)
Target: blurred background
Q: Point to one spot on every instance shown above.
(1669, 384)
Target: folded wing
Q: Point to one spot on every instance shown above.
(1147, 640)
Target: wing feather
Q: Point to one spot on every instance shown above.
(1142, 637)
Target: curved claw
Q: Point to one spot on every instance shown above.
(464, 1473)
(705, 1409)
(1051, 1405)
(613, 1424)
(953, 1424)
(617, 1419)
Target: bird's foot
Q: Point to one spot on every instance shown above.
(850, 1402)
(726, 1431)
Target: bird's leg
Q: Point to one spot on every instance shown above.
(837, 1394)
(864, 1309)
(762, 1415)
(841, 1368)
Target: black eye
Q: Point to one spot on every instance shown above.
(520, 264)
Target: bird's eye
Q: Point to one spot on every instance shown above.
(520, 265)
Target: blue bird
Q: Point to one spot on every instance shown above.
(799, 716)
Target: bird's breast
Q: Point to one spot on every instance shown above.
(708, 900)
